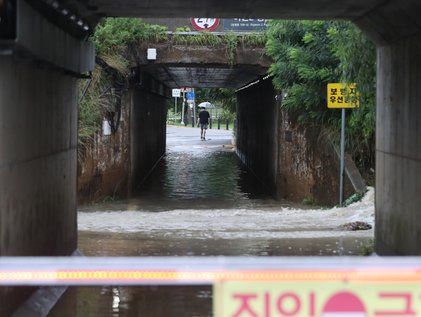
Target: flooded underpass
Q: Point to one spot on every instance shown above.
(201, 201)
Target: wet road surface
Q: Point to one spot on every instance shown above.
(201, 201)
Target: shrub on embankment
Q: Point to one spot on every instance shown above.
(309, 54)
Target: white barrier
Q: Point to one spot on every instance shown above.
(55, 271)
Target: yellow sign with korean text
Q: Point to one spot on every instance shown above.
(370, 295)
(341, 95)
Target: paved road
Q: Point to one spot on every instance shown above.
(187, 136)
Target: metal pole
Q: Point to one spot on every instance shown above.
(342, 163)
(175, 106)
(182, 108)
(194, 109)
(193, 115)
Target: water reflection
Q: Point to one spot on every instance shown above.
(199, 201)
(116, 301)
(145, 301)
(206, 179)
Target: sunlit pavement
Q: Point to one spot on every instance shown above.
(188, 136)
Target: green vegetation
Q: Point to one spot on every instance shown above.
(353, 199)
(92, 101)
(114, 34)
(368, 248)
(309, 201)
(223, 98)
(309, 54)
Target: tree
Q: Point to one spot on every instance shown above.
(307, 56)
(357, 56)
(303, 65)
(223, 97)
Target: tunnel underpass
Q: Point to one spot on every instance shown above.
(38, 121)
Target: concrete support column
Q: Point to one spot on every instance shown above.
(38, 142)
(398, 160)
(38, 129)
(148, 114)
(257, 131)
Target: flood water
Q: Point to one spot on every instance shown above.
(201, 201)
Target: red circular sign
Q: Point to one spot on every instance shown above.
(204, 24)
(344, 304)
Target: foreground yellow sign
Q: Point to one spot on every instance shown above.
(342, 96)
(376, 296)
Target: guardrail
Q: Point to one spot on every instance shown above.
(17, 271)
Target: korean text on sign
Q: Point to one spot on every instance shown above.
(341, 95)
(317, 299)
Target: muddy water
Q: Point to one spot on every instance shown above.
(201, 201)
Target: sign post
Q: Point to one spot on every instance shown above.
(190, 100)
(194, 109)
(342, 164)
(176, 93)
(342, 96)
(184, 90)
(182, 108)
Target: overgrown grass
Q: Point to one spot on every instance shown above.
(367, 248)
(353, 199)
(309, 201)
(114, 34)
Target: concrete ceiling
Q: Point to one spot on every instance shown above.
(384, 21)
(205, 76)
(347, 9)
(200, 65)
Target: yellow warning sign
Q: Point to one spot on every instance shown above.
(341, 95)
(377, 297)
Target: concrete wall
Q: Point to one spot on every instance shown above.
(309, 164)
(257, 131)
(199, 65)
(395, 28)
(116, 164)
(147, 134)
(38, 129)
(398, 160)
(103, 165)
(293, 161)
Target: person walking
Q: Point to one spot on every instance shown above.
(203, 122)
